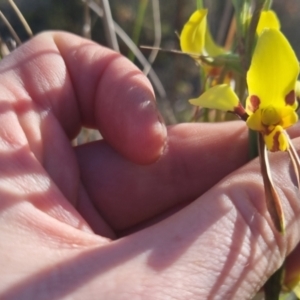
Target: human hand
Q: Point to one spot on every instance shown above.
(76, 221)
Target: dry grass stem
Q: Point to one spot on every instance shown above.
(21, 17)
(10, 28)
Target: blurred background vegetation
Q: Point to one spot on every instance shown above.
(177, 75)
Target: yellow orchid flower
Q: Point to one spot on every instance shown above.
(271, 83)
(196, 40)
(271, 86)
(271, 80)
(270, 106)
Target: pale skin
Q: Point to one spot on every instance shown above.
(147, 213)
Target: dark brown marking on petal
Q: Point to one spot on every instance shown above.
(240, 111)
(255, 101)
(276, 144)
(267, 129)
(290, 98)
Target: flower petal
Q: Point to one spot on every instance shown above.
(277, 140)
(265, 120)
(283, 116)
(211, 48)
(254, 121)
(273, 71)
(220, 97)
(268, 19)
(192, 37)
(288, 117)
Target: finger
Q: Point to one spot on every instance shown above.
(115, 97)
(75, 81)
(197, 156)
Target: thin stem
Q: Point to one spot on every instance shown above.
(21, 17)
(238, 7)
(4, 51)
(157, 35)
(253, 145)
(272, 287)
(138, 25)
(250, 41)
(200, 4)
(127, 40)
(109, 26)
(268, 4)
(86, 30)
(10, 28)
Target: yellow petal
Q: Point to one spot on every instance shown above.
(254, 121)
(270, 116)
(192, 37)
(288, 117)
(266, 119)
(220, 97)
(268, 19)
(283, 116)
(277, 139)
(273, 72)
(211, 48)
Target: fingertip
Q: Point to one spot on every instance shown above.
(127, 114)
(146, 135)
(138, 131)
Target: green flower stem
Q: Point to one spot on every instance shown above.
(240, 87)
(268, 4)
(199, 4)
(230, 61)
(272, 287)
(138, 25)
(238, 7)
(251, 35)
(206, 112)
(253, 144)
(242, 9)
(205, 85)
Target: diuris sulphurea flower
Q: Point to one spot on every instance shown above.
(271, 81)
(271, 102)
